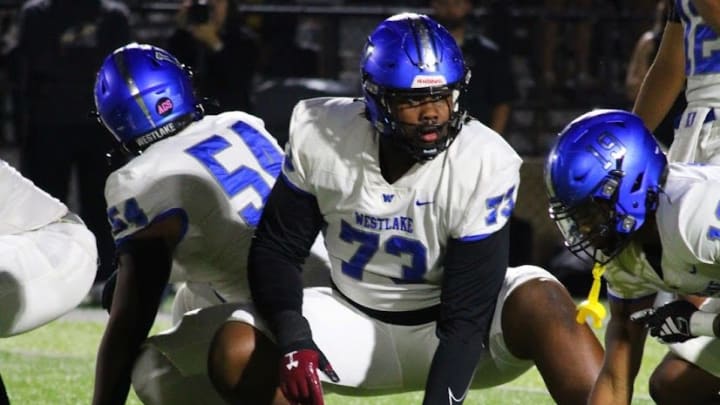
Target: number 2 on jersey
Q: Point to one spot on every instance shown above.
(267, 155)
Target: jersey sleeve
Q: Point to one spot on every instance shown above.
(630, 275)
(296, 162)
(135, 200)
(697, 236)
(24, 206)
(492, 197)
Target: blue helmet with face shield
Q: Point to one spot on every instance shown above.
(412, 56)
(144, 94)
(603, 177)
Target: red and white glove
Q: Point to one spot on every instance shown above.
(299, 379)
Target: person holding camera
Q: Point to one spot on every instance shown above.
(212, 38)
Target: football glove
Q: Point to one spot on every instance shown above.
(299, 379)
(669, 323)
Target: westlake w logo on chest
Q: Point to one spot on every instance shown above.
(388, 197)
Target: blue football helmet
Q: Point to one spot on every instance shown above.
(603, 177)
(412, 56)
(144, 94)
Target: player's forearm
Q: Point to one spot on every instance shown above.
(606, 392)
(451, 372)
(657, 94)
(664, 80)
(144, 268)
(623, 354)
(114, 365)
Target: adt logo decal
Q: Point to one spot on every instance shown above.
(164, 106)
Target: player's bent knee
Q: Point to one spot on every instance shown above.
(676, 381)
(229, 352)
(242, 363)
(661, 387)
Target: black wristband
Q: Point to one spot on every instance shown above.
(290, 328)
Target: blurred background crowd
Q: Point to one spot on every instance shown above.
(535, 65)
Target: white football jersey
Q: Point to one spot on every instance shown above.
(216, 174)
(387, 242)
(23, 206)
(702, 60)
(688, 220)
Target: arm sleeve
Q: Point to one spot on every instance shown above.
(474, 274)
(288, 227)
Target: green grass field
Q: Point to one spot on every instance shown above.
(54, 365)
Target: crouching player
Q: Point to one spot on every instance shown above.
(413, 198)
(182, 209)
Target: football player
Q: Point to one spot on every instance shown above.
(686, 57)
(657, 226)
(48, 257)
(413, 199)
(183, 208)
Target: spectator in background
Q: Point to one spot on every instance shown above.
(59, 46)
(581, 75)
(213, 39)
(488, 96)
(282, 55)
(640, 61)
(493, 86)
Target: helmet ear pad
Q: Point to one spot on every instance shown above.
(411, 54)
(610, 156)
(144, 94)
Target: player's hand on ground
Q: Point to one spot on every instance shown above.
(670, 323)
(299, 379)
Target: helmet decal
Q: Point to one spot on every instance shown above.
(164, 106)
(421, 81)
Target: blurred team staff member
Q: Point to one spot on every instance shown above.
(492, 88)
(213, 39)
(488, 96)
(59, 46)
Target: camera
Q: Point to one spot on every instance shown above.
(199, 12)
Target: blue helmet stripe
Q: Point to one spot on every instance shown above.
(119, 59)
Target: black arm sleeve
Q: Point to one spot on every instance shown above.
(288, 227)
(474, 274)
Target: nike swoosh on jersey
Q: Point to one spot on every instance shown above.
(421, 203)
